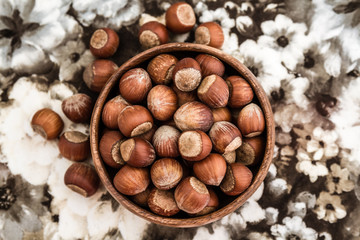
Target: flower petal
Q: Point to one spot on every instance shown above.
(312, 146)
(318, 155)
(12, 230)
(269, 27)
(331, 150)
(283, 21)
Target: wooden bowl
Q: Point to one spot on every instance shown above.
(232, 66)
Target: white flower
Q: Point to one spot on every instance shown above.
(30, 29)
(287, 115)
(309, 166)
(72, 57)
(286, 37)
(293, 228)
(338, 180)
(108, 13)
(329, 207)
(257, 236)
(322, 144)
(277, 187)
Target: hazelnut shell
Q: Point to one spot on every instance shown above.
(74, 146)
(47, 123)
(131, 180)
(77, 108)
(153, 34)
(134, 85)
(104, 43)
(251, 121)
(180, 18)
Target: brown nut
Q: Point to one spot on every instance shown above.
(162, 202)
(194, 145)
(47, 123)
(131, 180)
(187, 74)
(191, 195)
(134, 85)
(161, 68)
(153, 34)
(165, 141)
(237, 179)
(137, 152)
(109, 148)
(211, 170)
(241, 92)
(213, 91)
(251, 121)
(134, 120)
(210, 65)
(97, 73)
(221, 114)
(148, 136)
(225, 137)
(111, 110)
(211, 206)
(251, 151)
(74, 146)
(162, 102)
(209, 33)
(141, 199)
(184, 97)
(104, 43)
(180, 18)
(77, 108)
(193, 116)
(82, 178)
(166, 173)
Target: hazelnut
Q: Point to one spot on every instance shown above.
(180, 18)
(211, 170)
(165, 141)
(221, 114)
(213, 91)
(47, 123)
(211, 206)
(109, 148)
(82, 178)
(148, 136)
(225, 137)
(210, 65)
(131, 180)
(184, 97)
(141, 199)
(187, 74)
(134, 120)
(166, 173)
(162, 102)
(161, 68)
(230, 157)
(251, 120)
(191, 195)
(193, 116)
(134, 85)
(104, 43)
(194, 145)
(162, 202)
(74, 146)
(97, 73)
(237, 179)
(137, 152)
(77, 108)
(241, 92)
(153, 34)
(251, 150)
(111, 110)
(209, 33)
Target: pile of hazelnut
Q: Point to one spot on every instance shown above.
(178, 134)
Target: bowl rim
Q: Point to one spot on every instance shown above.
(239, 200)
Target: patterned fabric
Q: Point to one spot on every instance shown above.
(306, 55)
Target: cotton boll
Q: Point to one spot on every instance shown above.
(57, 188)
(271, 215)
(78, 204)
(297, 209)
(235, 220)
(72, 226)
(101, 219)
(272, 172)
(286, 116)
(258, 193)
(130, 225)
(220, 232)
(252, 212)
(277, 187)
(59, 90)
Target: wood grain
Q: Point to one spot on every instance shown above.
(113, 83)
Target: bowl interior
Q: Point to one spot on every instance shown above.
(181, 50)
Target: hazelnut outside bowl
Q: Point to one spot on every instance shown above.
(228, 204)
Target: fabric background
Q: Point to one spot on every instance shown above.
(306, 55)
